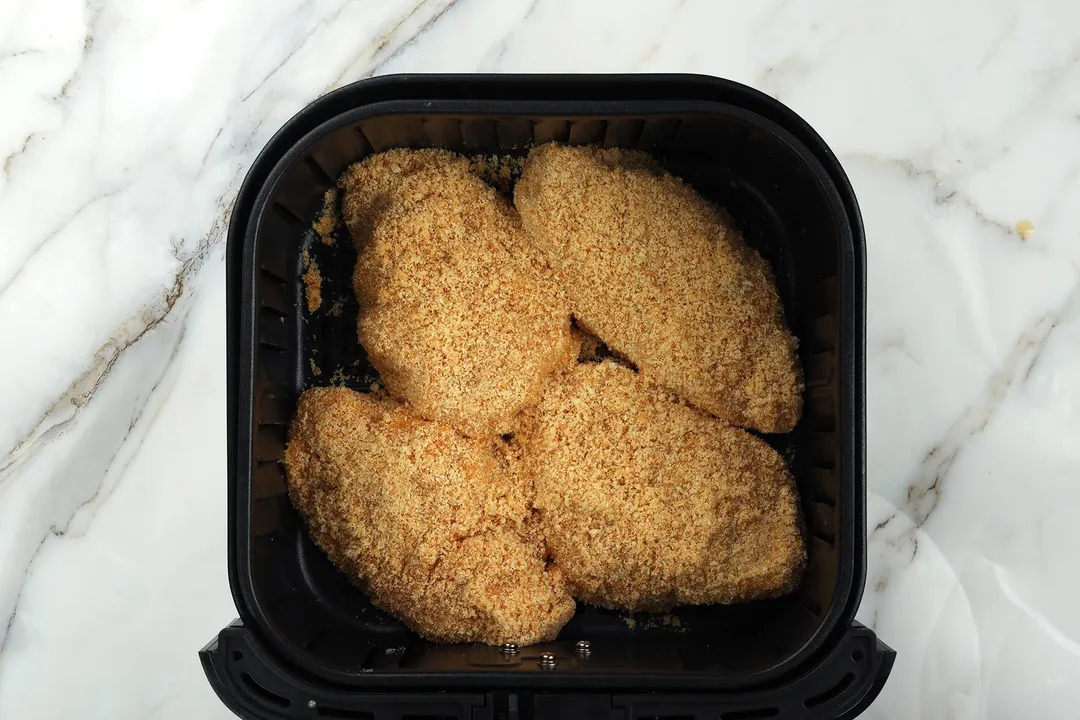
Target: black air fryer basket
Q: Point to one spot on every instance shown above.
(309, 645)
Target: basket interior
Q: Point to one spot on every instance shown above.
(305, 607)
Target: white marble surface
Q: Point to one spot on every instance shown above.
(126, 127)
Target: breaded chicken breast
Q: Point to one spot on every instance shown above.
(664, 279)
(432, 520)
(647, 503)
(455, 314)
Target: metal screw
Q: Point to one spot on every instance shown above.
(509, 648)
(583, 647)
(547, 660)
(311, 703)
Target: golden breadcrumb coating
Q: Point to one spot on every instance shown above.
(662, 277)
(433, 521)
(647, 503)
(455, 314)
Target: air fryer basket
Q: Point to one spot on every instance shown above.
(748, 153)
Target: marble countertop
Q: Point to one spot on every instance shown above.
(127, 127)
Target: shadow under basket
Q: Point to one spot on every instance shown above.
(309, 644)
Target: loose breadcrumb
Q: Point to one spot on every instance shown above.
(314, 368)
(664, 278)
(457, 316)
(647, 503)
(431, 520)
(590, 349)
(312, 282)
(499, 171)
(328, 219)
